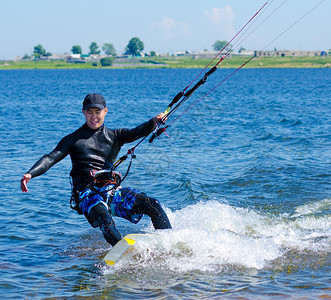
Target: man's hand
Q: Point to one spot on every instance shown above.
(25, 179)
(160, 117)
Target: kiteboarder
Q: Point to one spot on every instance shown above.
(96, 187)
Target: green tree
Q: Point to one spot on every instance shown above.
(107, 61)
(219, 45)
(153, 53)
(134, 46)
(39, 50)
(109, 49)
(94, 48)
(76, 49)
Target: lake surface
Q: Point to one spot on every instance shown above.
(244, 178)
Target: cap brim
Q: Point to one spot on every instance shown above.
(94, 105)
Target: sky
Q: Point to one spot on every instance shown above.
(165, 26)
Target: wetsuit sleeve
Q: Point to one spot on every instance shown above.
(48, 160)
(130, 135)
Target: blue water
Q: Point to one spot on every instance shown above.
(244, 178)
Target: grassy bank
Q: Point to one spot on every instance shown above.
(257, 62)
(180, 62)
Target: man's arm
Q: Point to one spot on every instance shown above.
(46, 162)
(130, 135)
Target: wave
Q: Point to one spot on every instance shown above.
(217, 237)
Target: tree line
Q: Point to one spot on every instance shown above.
(134, 47)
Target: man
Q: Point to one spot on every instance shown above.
(94, 147)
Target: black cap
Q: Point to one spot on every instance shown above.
(94, 100)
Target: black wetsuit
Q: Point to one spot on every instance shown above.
(96, 150)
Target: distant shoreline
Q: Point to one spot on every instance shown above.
(179, 62)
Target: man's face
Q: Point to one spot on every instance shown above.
(95, 117)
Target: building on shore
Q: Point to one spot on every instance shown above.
(52, 57)
(209, 54)
(201, 54)
(283, 53)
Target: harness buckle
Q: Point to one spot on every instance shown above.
(105, 177)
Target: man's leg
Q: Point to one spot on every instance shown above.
(151, 207)
(100, 215)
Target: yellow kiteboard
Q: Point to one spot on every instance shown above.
(125, 246)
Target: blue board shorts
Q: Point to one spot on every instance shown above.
(119, 201)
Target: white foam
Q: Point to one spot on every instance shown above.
(313, 208)
(212, 236)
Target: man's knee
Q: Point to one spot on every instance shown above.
(102, 218)
(147, 205)
(152, 208)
